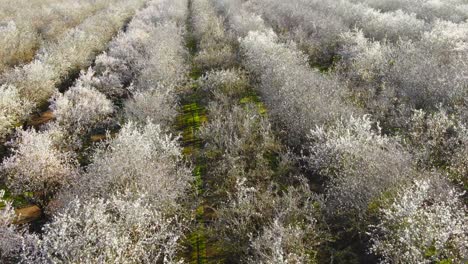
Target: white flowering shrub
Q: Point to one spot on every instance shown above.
(215, 48)
(158, 12)
(207, 25)
(123, 228)
(369, 59)
(241, 22)
(416, 64)
(84, 47)
(18, 44)
(312, 24)
(59, 18)
(231, 83)
(37, 81)
(215, 57)
(298, 97)
(11, 241)
(159, 104)
(13, 109)
(315, 65)
(391, 25)
(244, 157)
(238, 141)
(34, 81)
(360, 164)
(84, 40)
(166, 60)
(389, 77)
(405, 62)
(431, 71)
(451, 35)
(458, 167)
(293, 234)
(81, 107)
(392, 79)
(452, 10)
(270, 226)
(317, 25)
(112, 75)
(434, 135)
(245, 162)
(152, 56)
(439, 141)
(282, 243)
(138, 159)
(38, 165)
(149, 53)
(364, 67)
(425, 223)
(33, 25)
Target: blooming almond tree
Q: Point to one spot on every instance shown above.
(12, 108)
(38, 165)
(360, 164)
(10, 244)
(81, 107)
(138, 159)
(426, 223)
(125, 228)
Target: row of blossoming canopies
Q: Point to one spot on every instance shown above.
(259, 131)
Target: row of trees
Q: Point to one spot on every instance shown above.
(263, 209)
(388, 79)
(252, 182)
(306, 168)
(368, 175)
(34, 83)
(28, 26)
(129, 200)
(344, 15)
(452, 10)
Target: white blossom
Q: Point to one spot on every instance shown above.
(38, 165)
(80, 108)
(13, 109)
(123, 228)
(426, 223)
